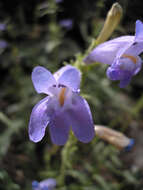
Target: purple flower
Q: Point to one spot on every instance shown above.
(122, 54)
(48, 184)
(66, 23)
(3, 44)
(62, 109)
(2, 26)
(58, 1)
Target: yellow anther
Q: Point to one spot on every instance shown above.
(132, 58)
(62, 96)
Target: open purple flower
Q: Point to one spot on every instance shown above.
(62, 109)
(122, 54)
(47, 184)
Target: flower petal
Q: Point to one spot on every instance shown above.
(126, 64)
(59, 128)
(69, 76)
(113, 74)
(81, 119)
(119, 74)
(134, 47)
(106, 52)
(139, 31)
(42, 79)
(139, 65)
(124, 82)
(39, 119)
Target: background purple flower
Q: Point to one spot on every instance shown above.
(3, 44)
(2, 26)
(122, 56)
(62, 109)
(66, 23)
(58, 1)
(48, 184)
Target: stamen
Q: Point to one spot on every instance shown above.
(132, 58)
(62, 96)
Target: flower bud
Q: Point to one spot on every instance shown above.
(112, 20)
(118, 139)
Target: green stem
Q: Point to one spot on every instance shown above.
(66, 156)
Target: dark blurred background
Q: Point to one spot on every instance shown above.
(51, 33)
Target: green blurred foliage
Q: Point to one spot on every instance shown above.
(35, 37)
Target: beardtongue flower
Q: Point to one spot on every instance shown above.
(122, 54)
(62, 109)
(47, 184)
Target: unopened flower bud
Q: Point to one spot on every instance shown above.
(112, 20)
(118, 139)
